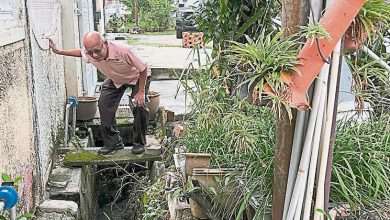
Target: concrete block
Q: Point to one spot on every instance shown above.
(153, 146)
(65, 183)
(58, 210)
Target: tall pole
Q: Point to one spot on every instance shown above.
(136, 11)
(294, 14)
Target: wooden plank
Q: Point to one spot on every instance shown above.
(90, 156)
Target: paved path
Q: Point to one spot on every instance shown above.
(172, 57)
(164, 51)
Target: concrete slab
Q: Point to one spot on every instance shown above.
(58, 210)
(180, 103)
(65, 182)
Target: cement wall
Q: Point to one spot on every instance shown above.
(17, 152)
(70, 30)
(49, 97)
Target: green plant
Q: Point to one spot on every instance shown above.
(153, 14)
(116, 22)
(369, 81)
(263, 62)
(372, 20)
(314, 32)
(361, 168)
(224, 20)
(15, 181)
(153, 199)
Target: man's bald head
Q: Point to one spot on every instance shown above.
(92, 39)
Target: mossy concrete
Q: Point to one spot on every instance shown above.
(90, 156)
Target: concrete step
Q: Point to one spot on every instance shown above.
(64, 184)
(58, 210)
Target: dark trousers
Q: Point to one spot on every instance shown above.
(109, 100)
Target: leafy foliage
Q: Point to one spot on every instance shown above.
(263, 62)
(361, 168)
(7, 178)
(224, 20)
(153, 13)
(372, 20)
(155, 205)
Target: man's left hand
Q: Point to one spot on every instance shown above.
(139, 98)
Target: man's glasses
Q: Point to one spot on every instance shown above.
(96, 51)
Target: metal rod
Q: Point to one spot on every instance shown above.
(66, 124)
(74, 121)
(2, 204)
(91, 139)
(13, 213)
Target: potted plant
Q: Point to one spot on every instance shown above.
(368, 23)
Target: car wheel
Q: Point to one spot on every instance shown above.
(179, 34)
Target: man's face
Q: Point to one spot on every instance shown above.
(97, 52)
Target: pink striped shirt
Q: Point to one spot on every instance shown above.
(122, 65)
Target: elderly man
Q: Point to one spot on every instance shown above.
(123, 69)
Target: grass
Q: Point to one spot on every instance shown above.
(361, 164)
(169, 32)
(137, 41)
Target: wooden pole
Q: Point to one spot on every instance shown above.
(294, 14)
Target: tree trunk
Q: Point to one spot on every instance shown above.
(294, 14)
(136, 11)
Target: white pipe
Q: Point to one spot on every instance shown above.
(91, 138)
(298, 211)
(74, 121)
(306, 152)
(2, 204)
(314, 153)
(319, 204)
(13, 213)
(66, 124)
(294, 162)
(375, 57)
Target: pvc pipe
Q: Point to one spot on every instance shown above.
(13, 213)
(91, 139)
(375, 57)
(2, 204)
(298, 210)
(306, 152)
(319, 204)
(74, 121)
(66, 124)
(314, 153)
(335, 21)
(294, 162)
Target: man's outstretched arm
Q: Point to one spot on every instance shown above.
(71, 52)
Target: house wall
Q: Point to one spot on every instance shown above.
(17, 144)
(49, 94)
(32, 96)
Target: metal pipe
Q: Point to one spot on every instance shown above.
(74, 120)
(91, 139)
(13, 213)
(2, 204)
(319, 204)
(375, 57)
(66, 124)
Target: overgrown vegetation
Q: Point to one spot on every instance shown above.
(361, 167)
(151, 15)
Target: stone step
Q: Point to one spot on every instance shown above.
(58, 210)
(64, 183)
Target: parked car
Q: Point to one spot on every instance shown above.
(185, 20)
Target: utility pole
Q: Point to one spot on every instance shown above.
(294, 14)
